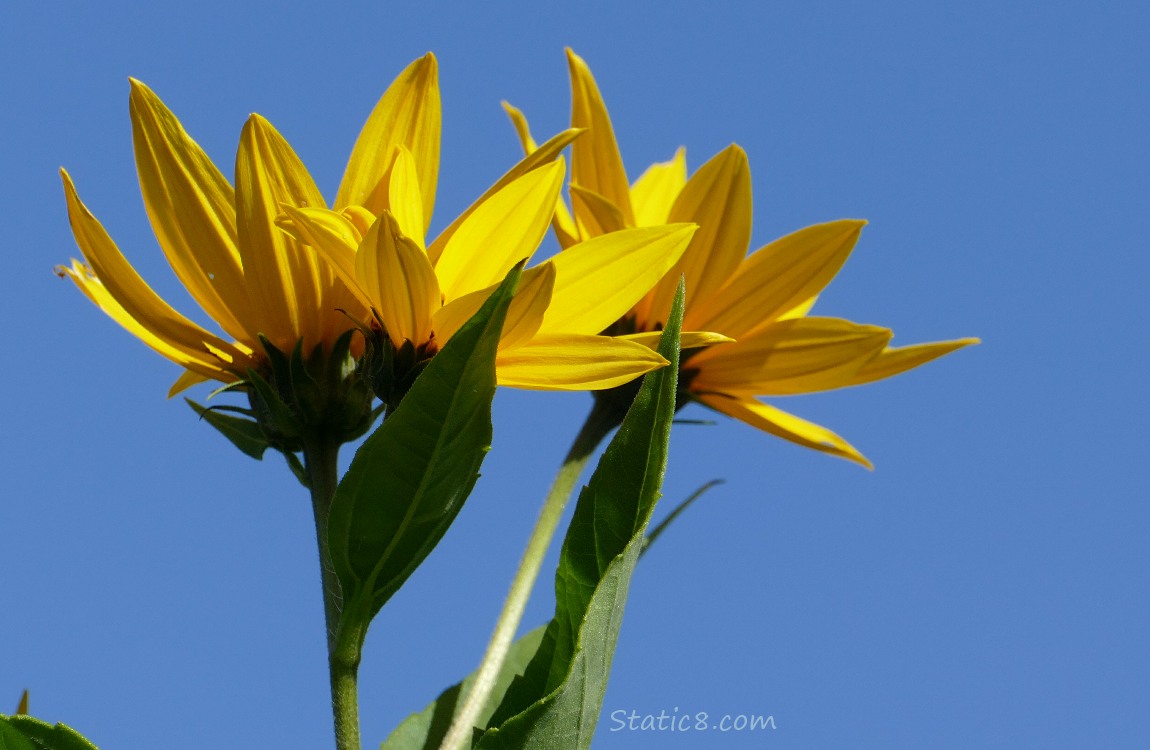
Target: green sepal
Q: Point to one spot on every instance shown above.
(273, 410)
(409, 479)
(556, 704)
(245, 434)
(426, 729)
(27, 733)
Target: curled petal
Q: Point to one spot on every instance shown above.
(398, 278)
(781, 424)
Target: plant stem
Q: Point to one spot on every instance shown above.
(321, 461)
(600, 422)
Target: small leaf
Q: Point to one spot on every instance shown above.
(426, 729)
(410, 478)
(556, 704)
(244, 433)
(26, 733)
(656, 532)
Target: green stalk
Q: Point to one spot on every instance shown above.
(600, 422)
(321, 461)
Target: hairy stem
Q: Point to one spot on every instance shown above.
(600, 422)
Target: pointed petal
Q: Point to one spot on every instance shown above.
(655, 191)
(595, 160)
(286, 282)
(545, 154)
(201, 361)
(192, 209)
(408, 114)
(398, 278)
(687, 339)
(890, 362)
(334, 237)
(777, 278)
(114, 279)
(595, 214)
(186, 380)
(597, 281)
(781, 424)
(571, 362)
(718, 199)
(803, 355)
(504, 230)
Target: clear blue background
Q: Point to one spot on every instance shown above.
(985, 587)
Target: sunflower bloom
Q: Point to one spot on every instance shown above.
(255, 281)
(761, 300)
(419, 293)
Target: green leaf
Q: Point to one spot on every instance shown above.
(556, 704)
(410, 478)
(244, 433)
(26, 733)
(426, 729)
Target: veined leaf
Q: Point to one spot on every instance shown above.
(410, 478)
(556, 704)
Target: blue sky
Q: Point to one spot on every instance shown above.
(986, 586)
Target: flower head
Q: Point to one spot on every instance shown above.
(761, 300)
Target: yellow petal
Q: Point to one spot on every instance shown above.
(781, 424)
(403, 197)
(597, 281)
(687, 339)
(778, 278)
(186, 380)
(570, 362)
(890, 362)
(594, 214)
(545, 154)
(562, 222)
(408, 114)
(718, 199)
(803, 355)
(286, 282)
(200, 361)
(192, 209)
(504, 230)
(396, 275)
(524, 314)
(114, 280)
(655, 191)
(595, 160)
(333, 236)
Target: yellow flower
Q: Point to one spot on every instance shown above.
(421, 293)
(248, 275)
(760, 300)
